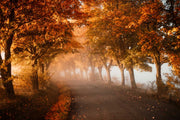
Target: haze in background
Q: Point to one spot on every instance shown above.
(140, 77)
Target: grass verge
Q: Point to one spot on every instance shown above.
(52, 103)
(61, 109)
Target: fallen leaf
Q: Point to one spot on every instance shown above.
(84, 116)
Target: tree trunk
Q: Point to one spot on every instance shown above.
(81, 74)
(122, 76)
(74, 74)
(35, 82)
(132, 78)
(1, 62)
(6, 74)
(42, 68)
(121, 68)
(159, 82)
(100, 73)
(47, 65)
(86, 72)
(107, 67)
(108, 75)
(66, 74)
(92, 73)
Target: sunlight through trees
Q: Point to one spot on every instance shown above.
(127, 34)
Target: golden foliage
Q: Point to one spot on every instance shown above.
(150, 41)
(60, 110)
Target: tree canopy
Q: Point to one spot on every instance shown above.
(128, 34)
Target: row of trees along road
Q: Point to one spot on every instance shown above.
(37, 30)
(130, 34)
(135, 33)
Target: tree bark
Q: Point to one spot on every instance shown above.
(86, 72)
(81, 74)
(66, 74)
(107, 67)
(35, 82)
(92, 73)
(42, 68)
(6, 72)
(132, 78)
(100, 73)
(74, 74)
(121, 68)
(108, 75)
(122, 76)
(47, 65)
(1, 62)
(159, 82)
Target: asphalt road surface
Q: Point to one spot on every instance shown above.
(98, 101)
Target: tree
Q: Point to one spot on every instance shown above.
(42, 46)
(171, 32)
(151, 39)
(16, 14)
(13, 20)
(115, 28)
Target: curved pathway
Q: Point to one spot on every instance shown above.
(97, 101)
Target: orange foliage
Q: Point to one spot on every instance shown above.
(175, 62)
(60, 110)
(150, 41)
(150, 11)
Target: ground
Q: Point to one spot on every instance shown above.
(90, 101)
(31, 107)
(97, 101)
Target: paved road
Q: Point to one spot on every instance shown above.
(96, 101)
